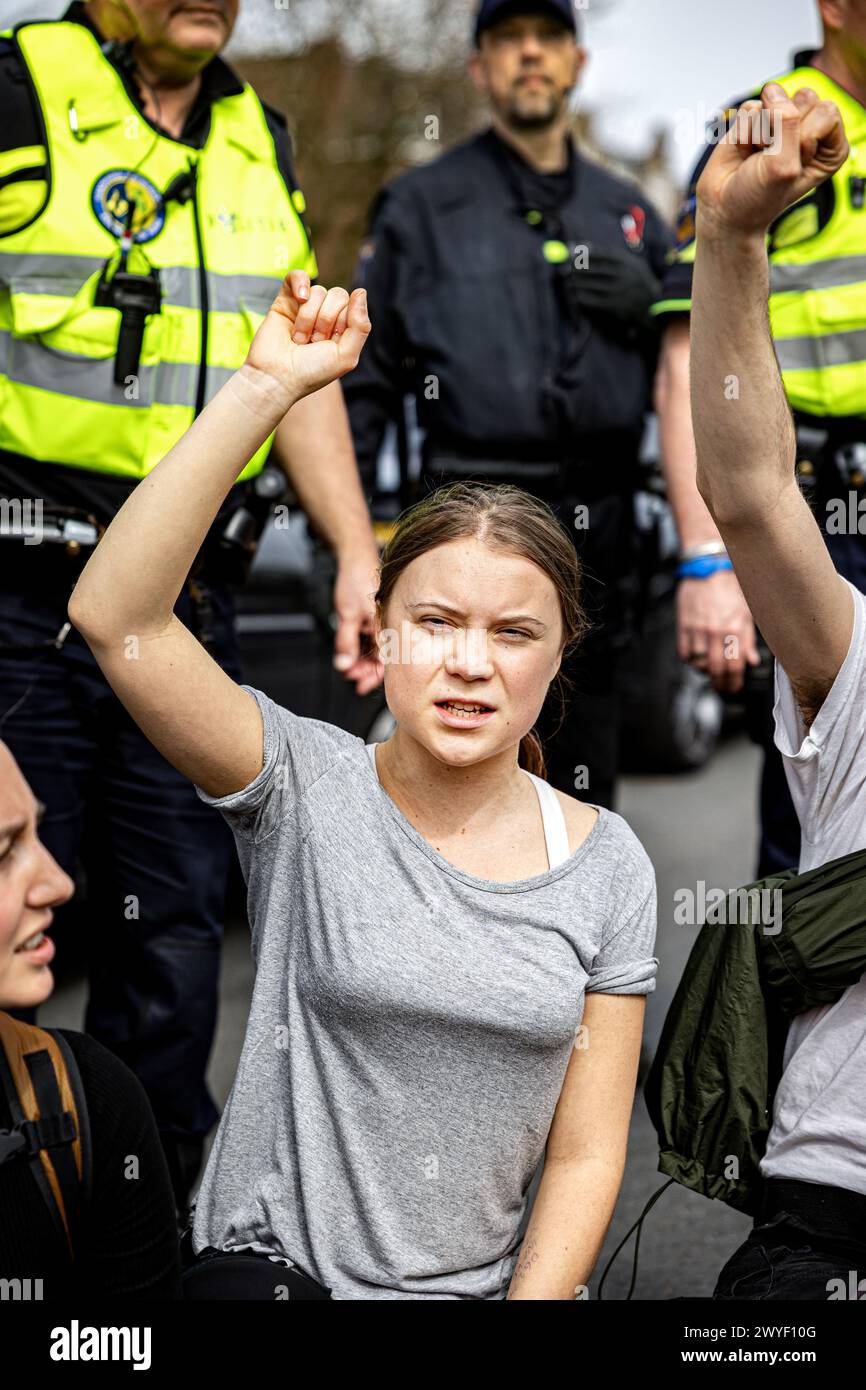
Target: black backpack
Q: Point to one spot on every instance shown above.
(50, 1131)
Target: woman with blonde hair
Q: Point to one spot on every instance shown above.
(451, 957)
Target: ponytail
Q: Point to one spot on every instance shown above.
(532, 754)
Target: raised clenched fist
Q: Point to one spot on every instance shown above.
(777, 149)
(310, 336)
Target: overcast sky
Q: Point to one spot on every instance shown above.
(652, 62)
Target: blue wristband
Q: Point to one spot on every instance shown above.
(703, 566)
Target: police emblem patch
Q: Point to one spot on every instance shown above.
(633, 223)
(112, 195)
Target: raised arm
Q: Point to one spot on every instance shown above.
(777, 150)
(196, 715)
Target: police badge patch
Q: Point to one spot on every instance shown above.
(112, 195)
(633, 224)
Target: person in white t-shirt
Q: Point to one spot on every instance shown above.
(809, 1239)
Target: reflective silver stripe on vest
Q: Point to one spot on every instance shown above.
(64, 275)
(818, 275)
(257, 291)
(48, 274)
(28, 363)
(817, 353)
(226, 293)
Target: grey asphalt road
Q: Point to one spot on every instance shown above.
(700, 826)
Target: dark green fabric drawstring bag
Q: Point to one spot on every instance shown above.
(710, 1089)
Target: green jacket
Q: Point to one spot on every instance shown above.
(711, 1086)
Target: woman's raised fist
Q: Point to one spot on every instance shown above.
(310, 336)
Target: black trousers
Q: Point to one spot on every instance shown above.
(808, 1244)
(246, 1275)
(580, 733)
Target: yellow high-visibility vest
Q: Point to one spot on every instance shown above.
(817, 302)
(220, 257)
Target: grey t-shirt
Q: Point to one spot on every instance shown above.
(410, 1027)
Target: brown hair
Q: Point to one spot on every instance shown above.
(506, 518)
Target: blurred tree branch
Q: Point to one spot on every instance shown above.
(358, 91)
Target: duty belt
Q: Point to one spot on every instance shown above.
(496, 469)
(72, 535)
(551, 478)
(831, 454)
(74, 530)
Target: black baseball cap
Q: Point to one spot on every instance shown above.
(490, 12)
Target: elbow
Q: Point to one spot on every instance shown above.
(705, 490)
(733, 504)
(105, 618)
(77, 613)
(724, 510)
(73, 609)
(83, 614)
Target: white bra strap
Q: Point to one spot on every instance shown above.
(552, 816)
(553, 819)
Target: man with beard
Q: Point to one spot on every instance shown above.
(550, 263)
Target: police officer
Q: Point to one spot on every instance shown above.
(817, 307)
(148, 212)
(509, 284)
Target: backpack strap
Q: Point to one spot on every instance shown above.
(43, 1089)
(80, 1111)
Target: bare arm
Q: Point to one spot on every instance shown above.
(715, 632)
(313, 446)
(676, 437)
(586, 1152)
(199, 718)
(743, 428)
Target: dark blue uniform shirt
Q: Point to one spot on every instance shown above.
(468, 313)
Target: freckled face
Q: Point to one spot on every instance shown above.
(471, 640)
